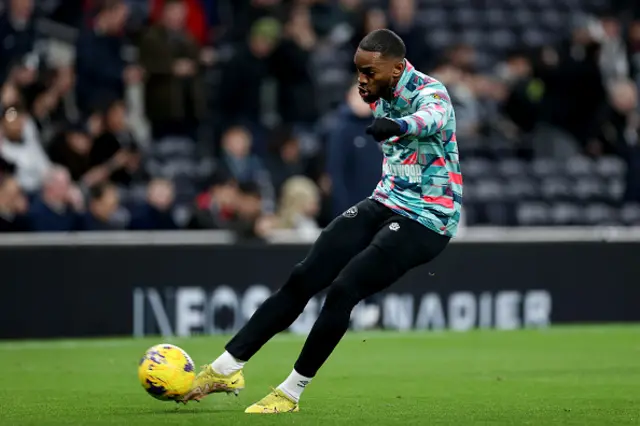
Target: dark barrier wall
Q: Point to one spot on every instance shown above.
(99, 291)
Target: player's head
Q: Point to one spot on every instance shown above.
(103, 201)
(380, 63)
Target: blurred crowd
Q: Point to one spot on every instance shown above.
(242, 114)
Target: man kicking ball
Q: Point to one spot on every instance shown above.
(407, 221)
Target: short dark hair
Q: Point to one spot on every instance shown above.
(221, 178)
(386, 42)
(107, 5)
(250, 189)
(97, 191)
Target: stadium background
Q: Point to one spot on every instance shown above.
(171, 160)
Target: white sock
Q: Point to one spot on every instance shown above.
(226, 364)
(294, 385)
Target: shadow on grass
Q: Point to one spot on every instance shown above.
(175, 411)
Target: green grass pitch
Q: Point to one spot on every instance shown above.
(559, 376)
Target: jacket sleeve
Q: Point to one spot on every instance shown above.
(433, 109)
(94, 62)
(155, 58)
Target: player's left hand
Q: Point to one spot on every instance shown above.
(384, 128)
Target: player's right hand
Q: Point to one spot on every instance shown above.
(384, 128)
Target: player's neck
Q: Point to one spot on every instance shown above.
(390, 95)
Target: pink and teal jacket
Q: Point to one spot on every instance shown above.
(421, 176)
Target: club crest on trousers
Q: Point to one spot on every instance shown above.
(352, 212)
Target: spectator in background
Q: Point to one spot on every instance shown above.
(523, 101)
(247, 223)
(462, 95)
(216, 207)
(157, 212)
(574, 94)
(115, 154)
(354, 160)
(284, 160)
(104, 201)
(372, 19)
(139, 16)
(59, 204)
(463, 57)
(174, 91)
(10, 95)
(95, 122)
(402, 18)
(21, 146)
(194, 19)
(620, 121)
(347, 14)
(620, 133)
(290, 67)
(49, 101)
(633, 45)
(238, 162)
(348, 11)
(6, 168)
(72, 149)
(614, 61)
(242, 77)
(101, 70)
(69, 12)
(13, 206)
(244, 14)
(17, 34)
(299, 207)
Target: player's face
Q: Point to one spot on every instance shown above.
(376, 75)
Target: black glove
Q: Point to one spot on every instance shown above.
(383, 128)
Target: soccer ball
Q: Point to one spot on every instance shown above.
(166, 372)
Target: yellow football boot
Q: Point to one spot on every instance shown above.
(274, 403)
(209, 381)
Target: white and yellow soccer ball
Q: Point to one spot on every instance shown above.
(166, 372)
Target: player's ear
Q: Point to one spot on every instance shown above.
(398, 69)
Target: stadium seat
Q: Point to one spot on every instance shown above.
(523, 17)
(534, 37)
(630, 214)
(441, 38)
(502, 39)
(551, 19)
(476, 167)
(469, 212)
(615, 188)
(473, 37)
(495, 17)
(433, 18)
(565, 214)
(500, 214)
(610, 166)
(522, 188)
(544, 167)
(556, 188)
(171, 147)
(465, 17)
(599, 214)
(589, 188)
(511, 167)
(489, 190)
(532, 213)
(580, 166)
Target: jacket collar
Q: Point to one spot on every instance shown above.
(399, 93)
